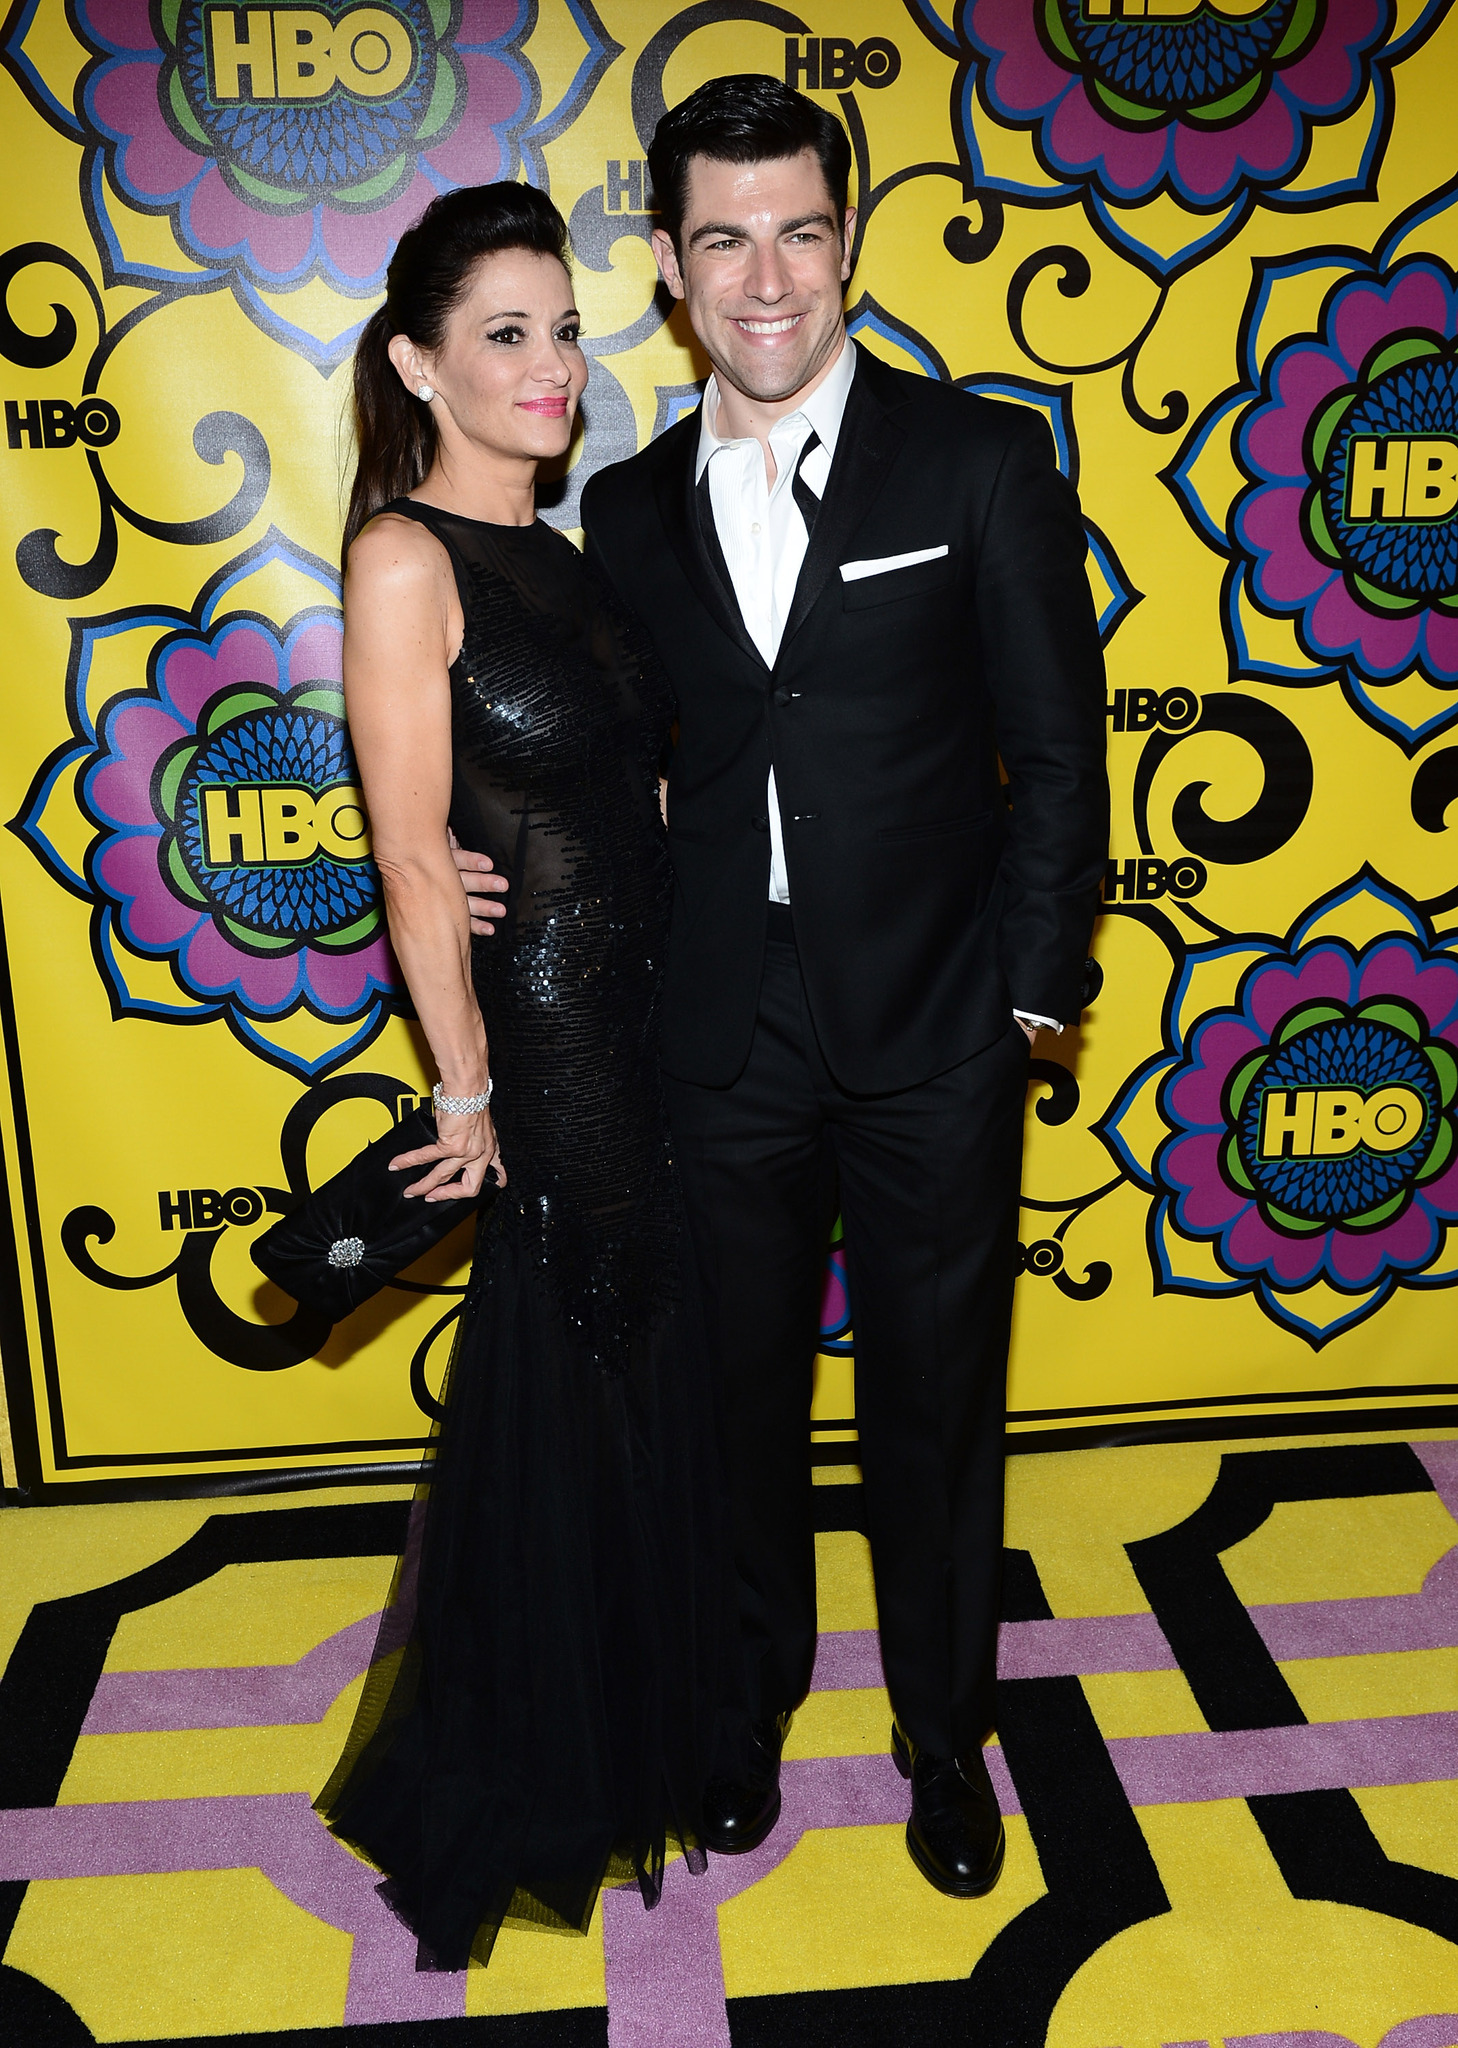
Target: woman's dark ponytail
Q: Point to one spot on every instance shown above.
(394, 433)
(430, 272)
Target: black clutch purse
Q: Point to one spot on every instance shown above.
(349, 1237)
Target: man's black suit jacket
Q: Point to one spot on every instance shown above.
(926, 909)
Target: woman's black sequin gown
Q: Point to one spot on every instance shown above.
(552, 1718)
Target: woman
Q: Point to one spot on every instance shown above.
(552, 1719)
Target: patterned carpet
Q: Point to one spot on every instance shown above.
(1228, 1757)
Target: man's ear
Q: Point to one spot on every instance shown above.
(667, 259)
(847, 236)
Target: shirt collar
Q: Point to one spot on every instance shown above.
(824, 410)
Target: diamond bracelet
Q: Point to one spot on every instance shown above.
(459, 1105)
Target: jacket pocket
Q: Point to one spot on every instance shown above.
(933, 828)
(915, 580)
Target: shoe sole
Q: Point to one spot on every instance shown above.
(953, 1890)
(748, 1842)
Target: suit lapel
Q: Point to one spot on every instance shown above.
(864, 452)
(698, 551)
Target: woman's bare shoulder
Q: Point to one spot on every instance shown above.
(399, 557)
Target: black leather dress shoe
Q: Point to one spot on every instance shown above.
(955, 1833)
(740, 1811)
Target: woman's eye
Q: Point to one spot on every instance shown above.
(505, 334)
(569, 333)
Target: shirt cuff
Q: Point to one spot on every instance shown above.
(1048, 1023)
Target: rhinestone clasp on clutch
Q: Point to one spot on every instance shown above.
(346, 1251)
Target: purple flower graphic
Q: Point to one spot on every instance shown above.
(1369, 570)
(1211, 101)
(289, 144)
(231, 841)
(1311, 1119)
(1348, 524)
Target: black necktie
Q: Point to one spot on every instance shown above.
(805, 498)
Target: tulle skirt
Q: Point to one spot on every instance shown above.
(542, 1711)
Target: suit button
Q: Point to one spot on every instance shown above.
(784, 696)
(760, 824)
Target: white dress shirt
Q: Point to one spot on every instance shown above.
(760, 527)
(762, 532)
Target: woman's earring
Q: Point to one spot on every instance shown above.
(426, 394)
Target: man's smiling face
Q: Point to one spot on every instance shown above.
(762, 267)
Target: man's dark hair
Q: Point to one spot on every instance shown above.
(745, 119)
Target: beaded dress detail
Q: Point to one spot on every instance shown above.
(568, 1632)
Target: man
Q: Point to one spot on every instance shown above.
(866, 586)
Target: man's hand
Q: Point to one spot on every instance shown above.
(1022, 1022)
(482, 885)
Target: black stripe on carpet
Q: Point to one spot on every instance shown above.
(1100, 1878)
(54, 1667)
(1321, 1841)
(48, 1684)
(32, 2016)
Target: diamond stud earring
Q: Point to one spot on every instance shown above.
(426, 394)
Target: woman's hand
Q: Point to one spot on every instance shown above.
(464, 1153)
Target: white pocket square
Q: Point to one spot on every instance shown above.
(853, 572)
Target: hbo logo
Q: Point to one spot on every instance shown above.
(56, 423)
(1141, 710)
(297, 53)
(1145, 881)
(207, 1208)
(280, 825)
(831, 63)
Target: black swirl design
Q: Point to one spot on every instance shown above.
(1277, 813)
(1074, 279)
(216, 436)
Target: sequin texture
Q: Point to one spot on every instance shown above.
(560, 719)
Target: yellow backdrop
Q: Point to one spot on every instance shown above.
(1207, 239)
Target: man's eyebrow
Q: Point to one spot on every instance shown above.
(711, 228)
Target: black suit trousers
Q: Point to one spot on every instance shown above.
(927, 1181)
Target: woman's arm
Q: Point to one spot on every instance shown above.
(400, 616)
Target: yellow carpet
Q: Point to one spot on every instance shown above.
(1228, 1760)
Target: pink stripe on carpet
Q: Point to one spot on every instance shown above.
(1399, 1749)
(1092, 1643)
(277, 1833)
(233, 1696)
(1427, 1620)
(1305, 2037)
(291, 1695)
(665, 1980)
(846, 1660)
(1434, 2030)
(1440, 1461)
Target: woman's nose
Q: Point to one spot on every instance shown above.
(551, 367)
